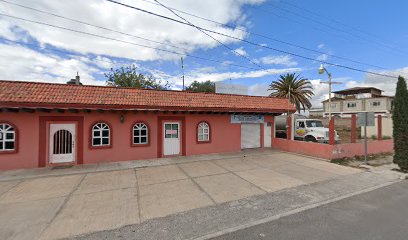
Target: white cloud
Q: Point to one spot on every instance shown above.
(388, 85)
(127, 20)
(19, 63)
(240, 51)
(285, 60)
(320, 90)
(322, 57)
(259, 89)
(202, 75)
(321, 46)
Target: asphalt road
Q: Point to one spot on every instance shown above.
(380, 214)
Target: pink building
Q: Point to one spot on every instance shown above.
(44, 124)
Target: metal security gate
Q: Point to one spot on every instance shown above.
(250, 136)
(62, 143)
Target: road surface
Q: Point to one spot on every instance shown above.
(380, 214)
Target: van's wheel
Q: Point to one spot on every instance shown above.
(310, 139)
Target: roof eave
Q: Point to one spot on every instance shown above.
(141, 108)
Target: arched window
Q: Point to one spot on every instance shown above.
(7, 137)
(100, 135)
(203, 132)
(140, 134)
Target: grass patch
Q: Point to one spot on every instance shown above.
(342, 161)
(372, 160)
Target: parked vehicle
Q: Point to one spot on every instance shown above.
(305, 129)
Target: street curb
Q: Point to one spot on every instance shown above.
(291, 212)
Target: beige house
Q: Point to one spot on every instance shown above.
(358, 99)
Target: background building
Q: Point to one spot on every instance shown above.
(358, 99)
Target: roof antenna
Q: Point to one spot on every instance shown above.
(182, 70)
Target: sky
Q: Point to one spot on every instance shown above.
(365, 35)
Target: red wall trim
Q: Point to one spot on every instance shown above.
(210, 137)
(333, 151)
(148, 135)
(379, 127)
(331, 132)
(353, 127)
(262, 134)
(110, 136)
(15, 138)
(160, 120)
(289, 130)
(42, 144)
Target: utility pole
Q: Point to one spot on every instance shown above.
(182, 70)
(330, 90)
(330, 82)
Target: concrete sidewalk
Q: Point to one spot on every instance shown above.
(38, 205)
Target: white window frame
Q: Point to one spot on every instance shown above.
(100, 127)
(140, 126)
(375, 103)
(203, 132)
(4, 130)
(333, 105)
(351, 105)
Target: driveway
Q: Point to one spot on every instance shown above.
(94, 199)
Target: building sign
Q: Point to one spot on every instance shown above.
(247, 119)
(365, 118)
(169, 131)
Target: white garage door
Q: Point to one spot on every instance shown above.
(250, 136)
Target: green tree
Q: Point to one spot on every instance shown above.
(128, 76)
(400, 125)
(206, 86)
(301, 90)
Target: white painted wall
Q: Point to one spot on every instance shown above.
(386, 128)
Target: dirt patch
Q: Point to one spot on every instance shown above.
(372, 160)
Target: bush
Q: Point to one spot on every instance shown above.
(400, 122)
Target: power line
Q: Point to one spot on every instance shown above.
(132, 43)
(333, 27)
(234, 26)
(48, 48)
(215, 39)
(253, 43)
(92, 25)
(330, 19)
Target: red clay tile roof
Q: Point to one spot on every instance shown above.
(47, 95)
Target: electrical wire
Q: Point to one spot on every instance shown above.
(48, 48)
(92, 25)
(215, 39)
(132, 43)
(253, 43)
(332, 27)
(331, 19)
(242, 29)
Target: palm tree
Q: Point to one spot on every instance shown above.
(301, 90)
